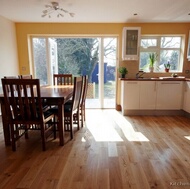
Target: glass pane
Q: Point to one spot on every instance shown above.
(145, 43)
(170, 42)
(80, 56)
(109, 72)
(40, 63)
(144, 61)
(131, 42)
(171, 56)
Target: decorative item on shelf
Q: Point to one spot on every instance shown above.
(140, 74)
(152, 59)
(167, 67)
(123, 71)
(174, 75)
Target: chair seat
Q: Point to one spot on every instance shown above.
(67, 108)
(34, 119)
(47, 114)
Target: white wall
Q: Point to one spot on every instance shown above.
(8, 50)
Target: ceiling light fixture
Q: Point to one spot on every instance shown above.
(54, 7)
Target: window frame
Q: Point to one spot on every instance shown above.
(157, 49)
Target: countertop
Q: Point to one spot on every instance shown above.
(179, 78)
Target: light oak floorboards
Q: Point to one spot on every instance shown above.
(110, 152)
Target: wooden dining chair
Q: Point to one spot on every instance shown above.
(62, 79)
(82, 108)
(24, 109)
(71, 107)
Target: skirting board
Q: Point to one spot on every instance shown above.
(154, 112)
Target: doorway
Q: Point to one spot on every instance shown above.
(95, 57)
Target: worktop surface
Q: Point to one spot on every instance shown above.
(179, 78)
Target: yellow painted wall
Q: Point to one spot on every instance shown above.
(24, 29)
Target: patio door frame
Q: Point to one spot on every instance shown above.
(101, 58)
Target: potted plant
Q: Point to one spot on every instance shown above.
(167, 67)
(123, 71)
(152, 60)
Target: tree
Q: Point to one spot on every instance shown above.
(77, 55)
(174, 60)
(39, 46)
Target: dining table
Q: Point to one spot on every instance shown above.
(52, 95)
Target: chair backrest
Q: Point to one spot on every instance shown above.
(23, 105)
(77, 92)
(25, 76)
(62, 79)
(11, 77)
(84, 89)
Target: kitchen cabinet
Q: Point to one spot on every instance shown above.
(186, 101)
(130, 95)
(147, 95)
(154, 95)
(169, 95)
(131, 43)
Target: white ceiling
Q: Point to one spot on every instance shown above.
(99, 11)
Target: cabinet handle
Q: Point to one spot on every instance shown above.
(170, 83)
(132, 82)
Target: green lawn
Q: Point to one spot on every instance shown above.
(109, 89)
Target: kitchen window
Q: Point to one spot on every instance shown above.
(167, 48)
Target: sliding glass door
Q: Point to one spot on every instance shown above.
(95, 57)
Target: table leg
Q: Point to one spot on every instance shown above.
(61, 121)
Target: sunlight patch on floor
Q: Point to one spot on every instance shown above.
(102, 126)
(136, 136)
(187, 137)
(127, 128)
(83, 139)
(105, 133)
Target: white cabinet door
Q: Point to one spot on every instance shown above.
(129, 95)
(169, 95)
(148, 95)
(131, 43)
(186, 102)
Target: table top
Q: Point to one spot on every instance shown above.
(55, 91)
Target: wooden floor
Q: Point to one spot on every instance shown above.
(111, 152)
